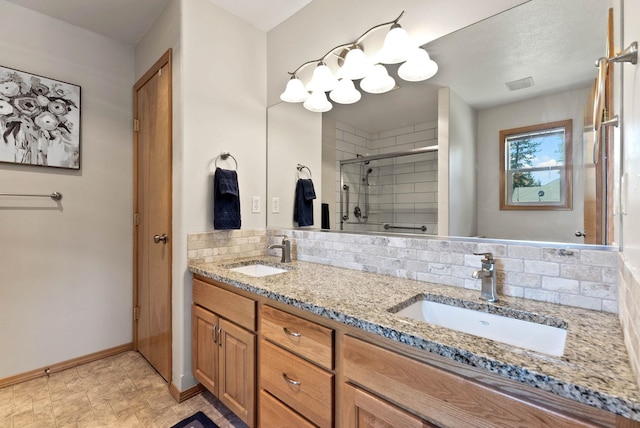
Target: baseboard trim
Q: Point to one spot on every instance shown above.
(58, 367)
(181, 396)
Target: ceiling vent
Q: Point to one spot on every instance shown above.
(515, 85)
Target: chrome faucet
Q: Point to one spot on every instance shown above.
(286, 249)
(488, 276)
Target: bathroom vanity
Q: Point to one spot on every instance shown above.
(329, 352)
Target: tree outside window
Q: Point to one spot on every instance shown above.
(535, 167)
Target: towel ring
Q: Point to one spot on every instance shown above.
(225, 156)
(300, 167)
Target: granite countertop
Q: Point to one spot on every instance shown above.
(594, 368)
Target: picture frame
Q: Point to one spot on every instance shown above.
(39, 120)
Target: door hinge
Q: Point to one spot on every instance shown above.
(136, 219)
(136, 125)
(136, 313)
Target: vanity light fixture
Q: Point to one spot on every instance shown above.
(355, 65)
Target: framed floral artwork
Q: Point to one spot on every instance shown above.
(39, 120)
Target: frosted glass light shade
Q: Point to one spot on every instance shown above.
(418, 67)
(318, 102)
(396, 46)
(379, 81)
(356, 65)
(345, 92)
(322, 79)
(295, 91)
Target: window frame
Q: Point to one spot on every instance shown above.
(565, 170)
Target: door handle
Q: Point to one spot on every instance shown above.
(164, 238)
(579, 234)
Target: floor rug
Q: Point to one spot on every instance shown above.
(199, 420)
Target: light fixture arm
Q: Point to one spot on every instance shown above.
(344, 45)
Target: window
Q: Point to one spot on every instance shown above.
(535, 167)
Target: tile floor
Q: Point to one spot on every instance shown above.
(122, 391)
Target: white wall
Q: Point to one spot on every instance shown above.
(462, 167)
(65, 281)
(630, 130)
(291, 139)
(457, 215)
(529, 225)
(219, 105)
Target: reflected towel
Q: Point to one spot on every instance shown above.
(226, 200)
(303, 202)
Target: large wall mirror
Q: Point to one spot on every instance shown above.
(529, 65)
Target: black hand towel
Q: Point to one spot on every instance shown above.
(303, 203)
(226, 200)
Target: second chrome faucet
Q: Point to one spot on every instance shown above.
(487, 274)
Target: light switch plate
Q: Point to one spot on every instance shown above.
(255, 205)
(275, 205)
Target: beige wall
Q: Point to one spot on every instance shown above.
(65, 272)
(630, 130)
(555, 226)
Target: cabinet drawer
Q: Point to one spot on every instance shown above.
(296, 334)
(440, 396)
(225, 303)
(274, 414)
(301, 385)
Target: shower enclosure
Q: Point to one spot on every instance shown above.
(394, 192)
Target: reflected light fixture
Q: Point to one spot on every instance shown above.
(345, 92)
(355, 65)
(318, 102)
(379, 81)
(419, 66)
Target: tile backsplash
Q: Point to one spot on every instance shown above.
(226, 245)
(586, 278)
(629, 280)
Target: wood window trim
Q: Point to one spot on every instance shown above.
(568, 129)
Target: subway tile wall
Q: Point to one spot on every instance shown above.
(629, 283)
(403, 191)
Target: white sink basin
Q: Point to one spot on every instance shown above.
(523, 334)
(258, 270)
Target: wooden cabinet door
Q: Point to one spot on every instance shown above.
(236, 388)
(204, 346)
(363, 410)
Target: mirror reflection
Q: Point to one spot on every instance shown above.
(532, 64)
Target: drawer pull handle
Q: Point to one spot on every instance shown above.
(291, 333)
(291, 381)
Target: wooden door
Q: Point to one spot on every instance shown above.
(204, 347)
(363, 410)
(237, 370)
(152, 216)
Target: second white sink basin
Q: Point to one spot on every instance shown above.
(258, 270)
(524, 334)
